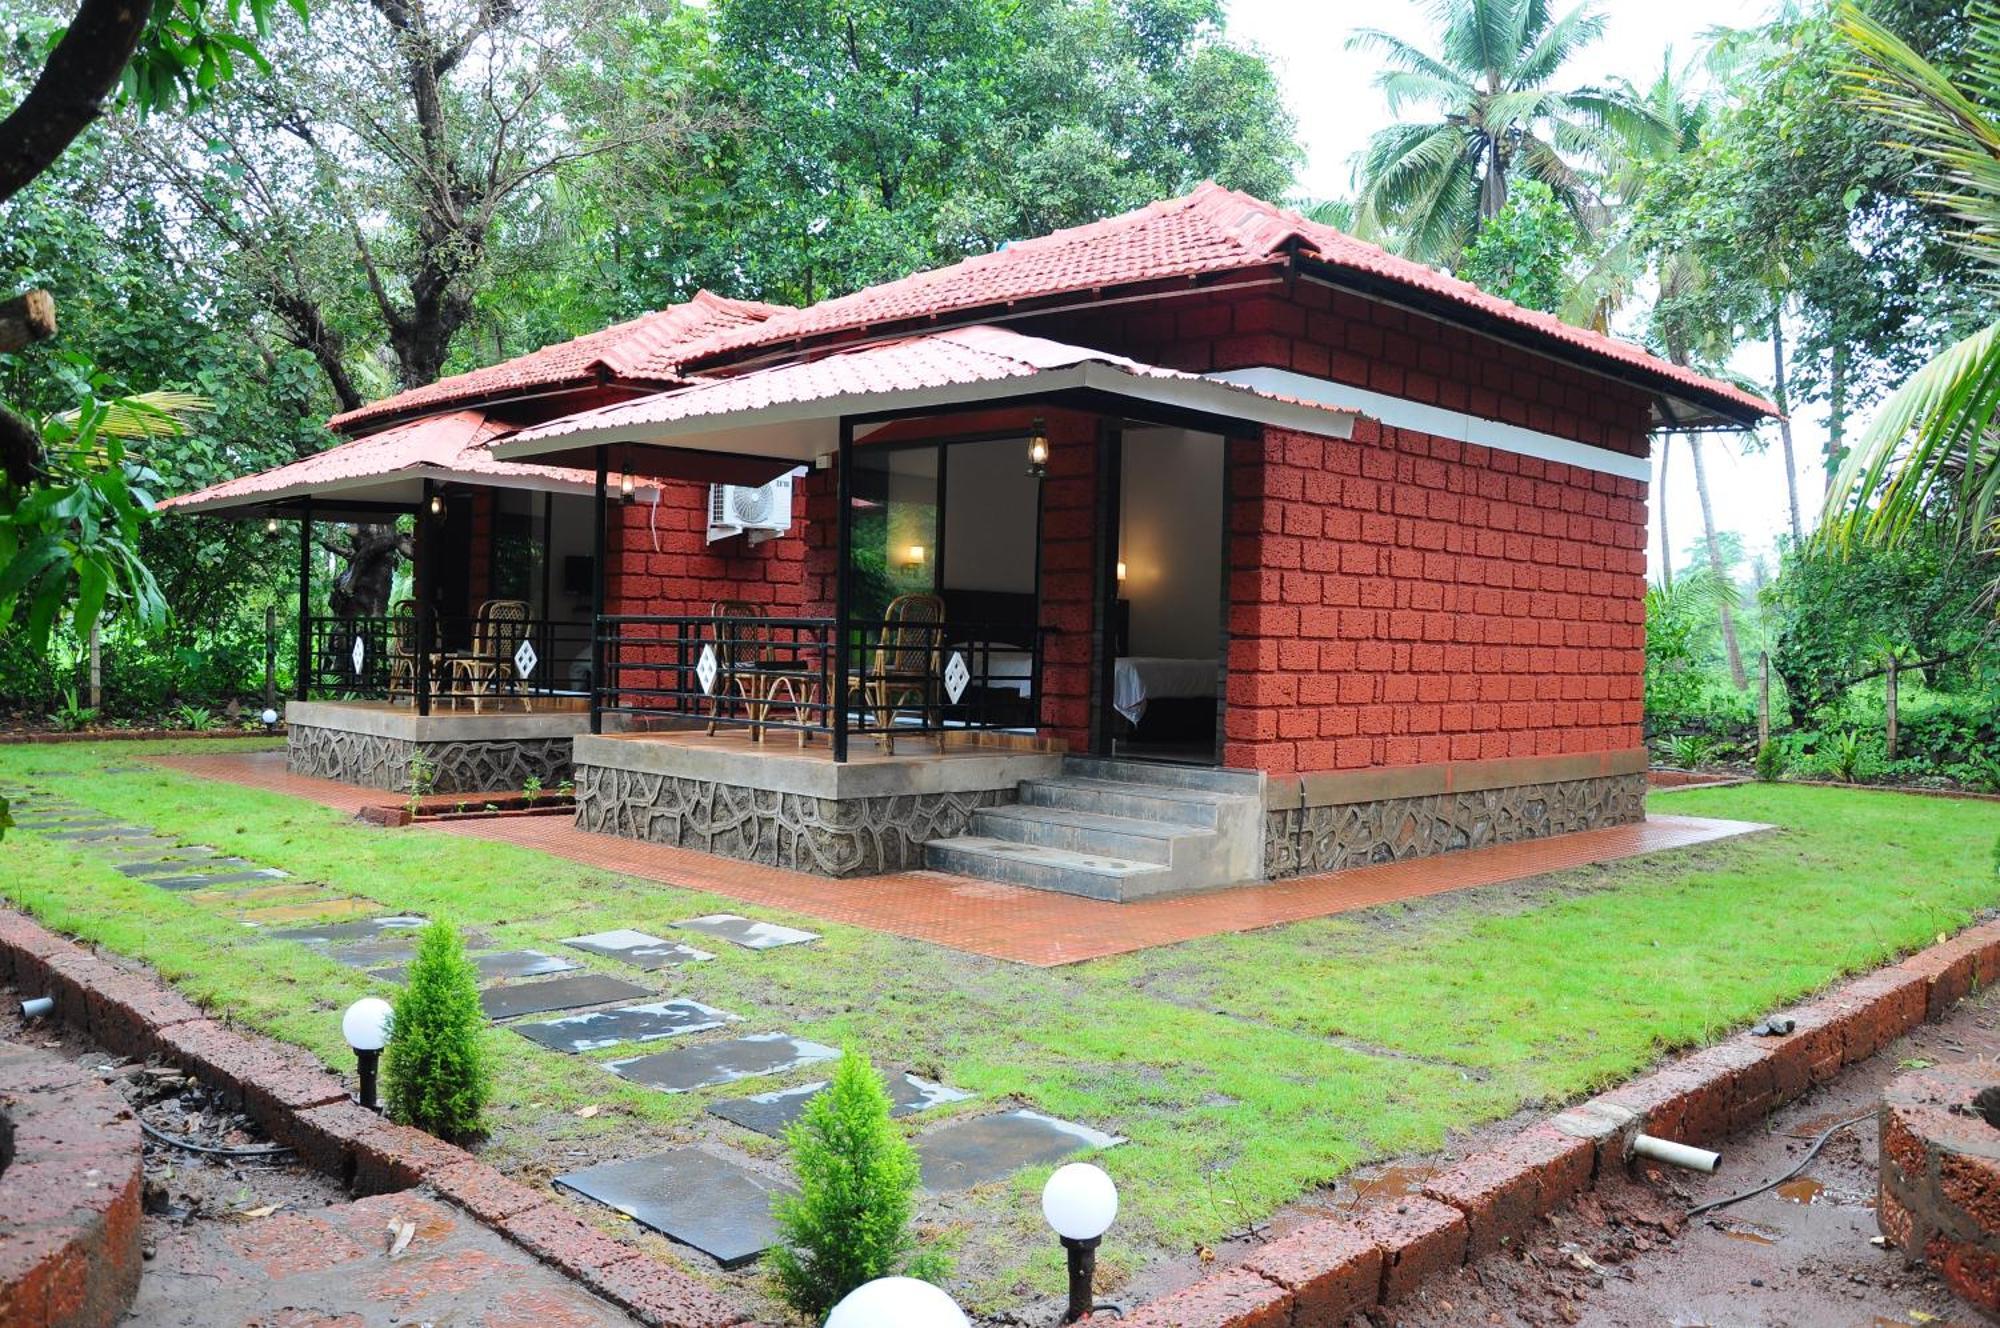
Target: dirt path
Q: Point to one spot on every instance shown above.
(1802, 1255)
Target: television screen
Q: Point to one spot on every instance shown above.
(578, 574)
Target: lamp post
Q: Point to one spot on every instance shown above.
(897, 1302)
(1080, 1202)
(366, 1028)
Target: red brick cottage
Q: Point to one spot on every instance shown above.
(1320, 557)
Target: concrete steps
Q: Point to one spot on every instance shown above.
(1116, 830)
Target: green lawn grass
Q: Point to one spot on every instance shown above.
(1246, 1070)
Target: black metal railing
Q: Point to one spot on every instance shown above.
(454, 660)
(766, 673)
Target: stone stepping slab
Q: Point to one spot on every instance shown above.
(717, 1206)
(181, 865)
(687, 1068)
(339, 933)
(106, 833)
(248, 903)
(391, 948)
(771, 1113)
(599, 1029)
(202, 880)
(746, 933)
(503, 965)
(639, 949)
(518, 998)
(325, 912)
(983, 1149)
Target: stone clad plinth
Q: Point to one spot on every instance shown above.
(372, 745)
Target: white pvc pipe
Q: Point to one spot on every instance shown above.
(38, 1006)
(1675, 1155)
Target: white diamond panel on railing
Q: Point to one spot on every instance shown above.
(525, 660)
(360, 655)
(705, 670)
(957, 675)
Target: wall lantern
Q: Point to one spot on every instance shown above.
(437, 505)
(366, 1028)
(913, 558)
(1080, 1202)
(1038, 449)
(271, 525)
(1121, 571)
(896, 1302)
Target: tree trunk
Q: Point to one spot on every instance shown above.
(1666, 545)
(1779, 394)
(69, 93)
(1889, 705)
(1729, 646)
(363, 587)
(1836, 416)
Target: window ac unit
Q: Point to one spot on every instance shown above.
(761, 513)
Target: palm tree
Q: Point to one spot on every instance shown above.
(1434, 182)
(1932, 450)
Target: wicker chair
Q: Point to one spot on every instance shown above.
(904, 663)
(739, 649)
(404, 634)
(497, 633)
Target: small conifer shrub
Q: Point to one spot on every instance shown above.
(434, 1071)
(1770, 762)
(857, 1174)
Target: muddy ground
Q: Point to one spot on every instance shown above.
(1805, 1254)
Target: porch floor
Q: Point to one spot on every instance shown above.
(1034, 927)
(485, 705)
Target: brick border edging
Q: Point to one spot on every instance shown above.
(298, 1102)
(1938, 1194)
(1319, 1275)
(32, 737)
(69, 1199)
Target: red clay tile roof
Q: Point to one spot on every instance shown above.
(644, 350)
(1210, 230)
(439, 445)
(955, 358)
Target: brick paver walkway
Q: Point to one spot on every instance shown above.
(1009, 922)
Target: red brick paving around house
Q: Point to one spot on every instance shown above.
(1010, 922)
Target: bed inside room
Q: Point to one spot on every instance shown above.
(1167, 672)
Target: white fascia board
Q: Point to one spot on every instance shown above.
(1399, 413)
(1191, 393)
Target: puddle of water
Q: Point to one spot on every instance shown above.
(1392, 1183)
(1804, 1190)
(1751, 1234)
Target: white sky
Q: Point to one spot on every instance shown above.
(1331, 91)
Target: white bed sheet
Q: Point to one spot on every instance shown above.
(1139, 679)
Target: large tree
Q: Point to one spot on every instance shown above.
(1432, 181)
(367, 189)
(852, 141)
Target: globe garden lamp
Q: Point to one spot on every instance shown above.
(897, 1302)
(366, 1028)
(1080, 1202)
(270, 718)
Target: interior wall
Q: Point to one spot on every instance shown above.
(989, 534)
(572, 534)
(1170, 540)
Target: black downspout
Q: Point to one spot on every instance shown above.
(843, 583)
(420, 584)
(597, 679)
(300, 683)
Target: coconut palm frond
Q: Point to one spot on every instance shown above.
(1931, 434)
(162, 413)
